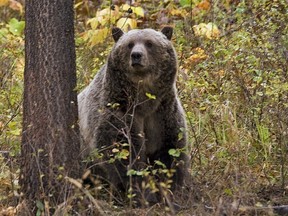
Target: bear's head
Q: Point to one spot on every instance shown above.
(144, 54)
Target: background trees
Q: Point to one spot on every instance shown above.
(232, 80)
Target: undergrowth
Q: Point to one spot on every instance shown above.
(232, 82)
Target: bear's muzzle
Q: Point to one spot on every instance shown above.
(136, 59)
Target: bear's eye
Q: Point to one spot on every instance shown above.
(149, 44)
(130, 45)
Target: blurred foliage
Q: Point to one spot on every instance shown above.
(11, 83)
(232, 81)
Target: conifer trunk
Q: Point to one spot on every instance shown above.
(50, 139)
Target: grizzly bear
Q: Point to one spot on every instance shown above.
(131, 112)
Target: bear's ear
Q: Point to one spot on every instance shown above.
(167, 31)
(116, 33)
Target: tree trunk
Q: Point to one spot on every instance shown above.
(50, 139)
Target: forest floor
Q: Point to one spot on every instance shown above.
(198, 199)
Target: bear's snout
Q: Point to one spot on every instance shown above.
(136, 58)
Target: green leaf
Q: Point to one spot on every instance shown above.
(40, 205)
(174, 152)
(123, 154)
(111, 160)
(16, 27)
(150, 96)
(184, 3)
(159, 163)
(113, 106)
(131, 172)
(228, 191)
(180, 136)
(131, 195)
(3, 32)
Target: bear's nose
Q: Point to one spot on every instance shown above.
(136, 55)
(136, 58)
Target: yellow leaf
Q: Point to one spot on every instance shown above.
(115, 14)
(115, 150)
(209, 30)
(139, 11)
(78, 4)
(196, 58)
(198, 55)
(10, 211)
(93, 22)
(178, 12)
(212, 31)
(200, 29)
(3, 2)
(221, 73)
(104, 12)
(125, 7)
(103, 17)
(204, 5)
(126, 24)
(75, 182)
(98, 36)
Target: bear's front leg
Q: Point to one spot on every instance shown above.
(122, 141)
(137, 156)
(175, 138)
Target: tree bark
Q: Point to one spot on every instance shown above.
(50, 140)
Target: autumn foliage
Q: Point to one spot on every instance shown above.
(232, 80)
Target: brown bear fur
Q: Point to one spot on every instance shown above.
(115, 108)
